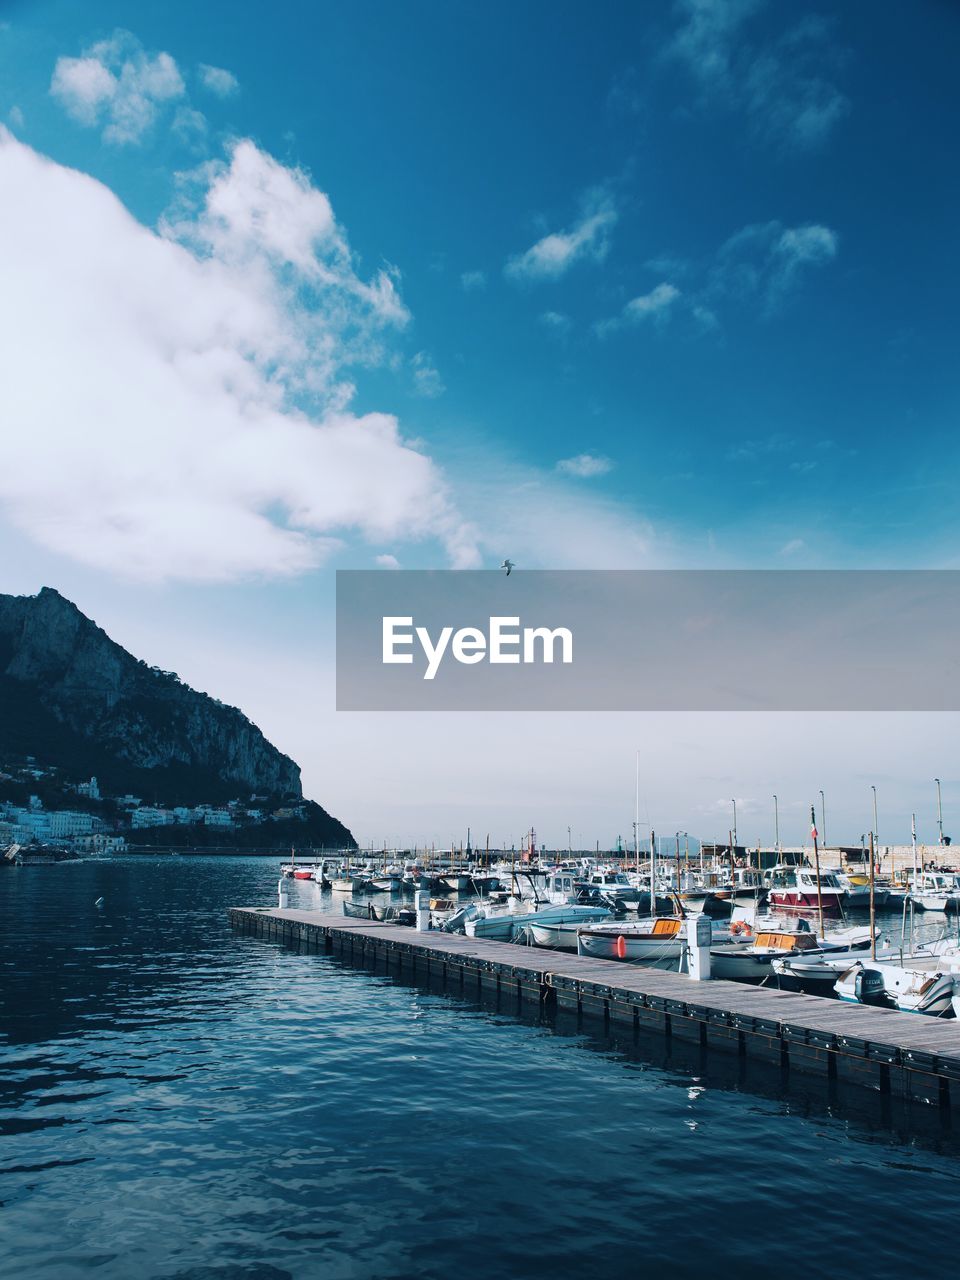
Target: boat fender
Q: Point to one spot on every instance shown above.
(621, 947)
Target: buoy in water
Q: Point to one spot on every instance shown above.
(99, 903)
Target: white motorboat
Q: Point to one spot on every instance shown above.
(658, 938)
(795, 887)
(391, 882)
(351, 882)
(557, 936)
(454, 881)
(856, 893)
(936, 891)
(614, 884)
(753, 961)
(505, 926)
(917, 986)
(649, 941)
(818, 971)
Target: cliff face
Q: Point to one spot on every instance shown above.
(73, 698)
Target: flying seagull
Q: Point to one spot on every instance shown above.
(508, 565)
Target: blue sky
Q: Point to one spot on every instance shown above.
(633, 285)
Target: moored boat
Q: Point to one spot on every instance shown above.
(795, 888)
(658, 938)
(936, 891)
(916, 986)
(505, 926)
(754, 961)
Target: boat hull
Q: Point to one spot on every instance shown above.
(909, 990)
(800, 900)
(627, 946)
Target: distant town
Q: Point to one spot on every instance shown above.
(37, 806)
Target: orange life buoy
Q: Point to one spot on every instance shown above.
(621, 947)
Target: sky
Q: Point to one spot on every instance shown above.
(429, 285)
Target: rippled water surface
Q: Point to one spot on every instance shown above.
(176, 1101)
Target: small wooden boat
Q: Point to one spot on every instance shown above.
(389, 883)
(753, 960)
(358, 910)
(659, 938)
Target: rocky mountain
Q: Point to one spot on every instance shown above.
(77, 701)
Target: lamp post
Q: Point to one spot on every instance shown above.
(876, 833)
(816, 863)
(733, 848)
(823, 819)
(776, 826)
(939, 810)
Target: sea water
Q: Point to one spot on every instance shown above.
(179, 1101)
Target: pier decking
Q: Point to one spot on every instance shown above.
(904, 1054)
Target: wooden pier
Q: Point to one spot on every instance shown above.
(901, 1054)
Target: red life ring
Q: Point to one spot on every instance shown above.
(621, 947)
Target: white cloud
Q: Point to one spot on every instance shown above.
(655, 305)
(783, 85)
(651, 304)
(473, 281)
(767, 260)
(705, 39)
(254, 212)
(585, 466)
(190, 126)
(545, 520)
(556, 322)
(756, 450)
(554, 254)
(197, 426)
(219, 81)
(387, 562)
(16, 118)
(792, 547)
(426, 380)
(117, 84)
